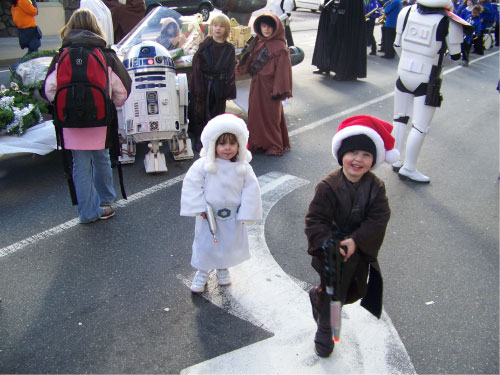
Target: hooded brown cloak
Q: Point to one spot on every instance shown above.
(271, 71)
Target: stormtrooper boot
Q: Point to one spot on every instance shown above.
(398, 133)
(413, 146)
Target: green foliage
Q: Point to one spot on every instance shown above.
(23, 101)
(6, 117)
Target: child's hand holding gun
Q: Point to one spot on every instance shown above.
(347, 248)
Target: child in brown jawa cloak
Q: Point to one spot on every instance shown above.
(170, 34)
(271, 71)
(350, 205)
(212, 81)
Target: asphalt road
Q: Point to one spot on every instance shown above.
(110, 297)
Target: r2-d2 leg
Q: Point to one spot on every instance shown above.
(154, 161)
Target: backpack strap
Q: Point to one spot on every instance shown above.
(115, 149)
(66, 159)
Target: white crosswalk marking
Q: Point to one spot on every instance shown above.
(265, 295)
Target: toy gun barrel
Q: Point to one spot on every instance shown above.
(211, 222)
(333, 274)
(335, 317)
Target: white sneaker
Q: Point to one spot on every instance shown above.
(413, 175)
(224, 277)
(199, 282)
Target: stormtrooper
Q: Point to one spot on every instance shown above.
(424, 32)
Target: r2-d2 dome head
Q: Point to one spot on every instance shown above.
(147, 56)
(447, 4)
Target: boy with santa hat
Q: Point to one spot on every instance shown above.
(350, 205)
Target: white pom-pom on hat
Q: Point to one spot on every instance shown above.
(226, 123)
(379, 131)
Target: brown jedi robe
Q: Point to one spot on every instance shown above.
(209, 84)
(266, 119)
(360, 210)
(125, 16)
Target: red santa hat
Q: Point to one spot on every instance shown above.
(226, 123)
(377, 130)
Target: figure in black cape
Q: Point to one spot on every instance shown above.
(341, 40)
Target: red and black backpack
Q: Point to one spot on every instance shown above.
(82, 97)
(82, 101)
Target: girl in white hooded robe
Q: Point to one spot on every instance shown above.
(231, 188)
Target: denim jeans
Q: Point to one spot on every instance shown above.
(93, 182)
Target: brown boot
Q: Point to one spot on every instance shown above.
(323, 342)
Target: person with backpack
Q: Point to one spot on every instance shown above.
(84, 81)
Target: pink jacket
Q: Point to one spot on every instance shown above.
(119, 87)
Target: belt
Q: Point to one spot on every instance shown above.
(225, 213)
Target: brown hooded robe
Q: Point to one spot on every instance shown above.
(360, 211)
(271, 83)
(125, 16)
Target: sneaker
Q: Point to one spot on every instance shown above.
(223, 277)
(107, 213)
(199, 282)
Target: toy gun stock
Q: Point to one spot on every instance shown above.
(211, 222)
(333, 274)
(245, 52)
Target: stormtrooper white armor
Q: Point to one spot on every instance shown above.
(418, 35)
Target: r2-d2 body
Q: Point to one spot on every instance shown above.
(157, 106)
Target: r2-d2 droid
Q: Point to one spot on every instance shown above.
(157, 106)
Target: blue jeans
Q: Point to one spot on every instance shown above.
(93, 183)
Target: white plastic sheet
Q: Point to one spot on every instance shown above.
(39, 139)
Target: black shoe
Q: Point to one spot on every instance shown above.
(319, 71)
(373, 53)
(387, 57)
(338, 77)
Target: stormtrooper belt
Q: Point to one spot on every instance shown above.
(225, 213)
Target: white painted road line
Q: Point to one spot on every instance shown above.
(262, 293)
(369, 103)
(74, 222)
(144, 193)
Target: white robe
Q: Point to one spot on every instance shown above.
(103, 15)
(223, 189)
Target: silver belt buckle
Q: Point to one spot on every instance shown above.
(224, 213)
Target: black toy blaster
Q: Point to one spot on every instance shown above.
(247, 49)
(433, 96)
(333, 275)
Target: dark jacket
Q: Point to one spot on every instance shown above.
(359, 211)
